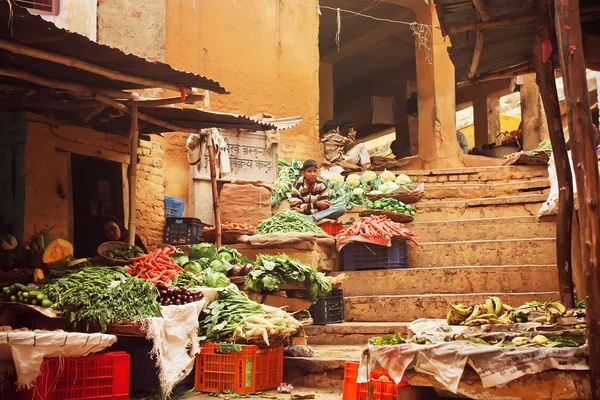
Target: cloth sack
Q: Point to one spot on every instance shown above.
(245, 204)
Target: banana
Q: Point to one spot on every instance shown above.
(450, 317)
(462, 310)
(569, 313)
(497, 305)
(489, 306)
(541, 319)
(520, 341)
(478, 321)
(488, 316)
(495, 321)
(476, 313)
(507, 307)
(540, 339)
(559, 306)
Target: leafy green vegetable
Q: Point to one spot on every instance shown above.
(203, 250)
(215, 279)
(271, 271)
(187, 279)
(288, 173)
(287, 221)
(196, 266)
(180, 258)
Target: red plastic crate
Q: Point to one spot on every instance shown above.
(99, 376)
(332, 228)
(248, 371)
(382, 389)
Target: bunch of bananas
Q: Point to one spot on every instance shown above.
(492, 311)
(39, 241)
(552, 310)
(571, 339)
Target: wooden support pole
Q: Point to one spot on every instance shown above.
(18, 48)
(483, 10)
(585, 162)
(167, 101)
(133, 174)
(476, 56)
(215, 192)
(508, 73)
(564, 223)
(492, 24)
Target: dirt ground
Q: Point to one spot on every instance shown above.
(318, 395)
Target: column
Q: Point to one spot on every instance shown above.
(535, 127)
(326, 92)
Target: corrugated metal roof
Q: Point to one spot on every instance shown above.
(20, 26)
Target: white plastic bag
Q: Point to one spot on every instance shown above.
(550, 207)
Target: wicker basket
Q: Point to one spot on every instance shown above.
(228, 236)
(104, 247)
(404, 195)
(394, 216)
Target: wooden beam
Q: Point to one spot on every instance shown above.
(212, 160)
(585, 161)
(483, 10)
(74, 87)
(525, 19)
(133, 145)
(18, 48)
(167, 101)
(366, 41)
(507, 73)
(476, 56)
(564, 223)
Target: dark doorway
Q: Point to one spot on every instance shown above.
(97, 191)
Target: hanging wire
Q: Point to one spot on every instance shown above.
(423, 38)
(339, 29)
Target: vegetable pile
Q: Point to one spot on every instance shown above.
(271, 271)
(26, 295)
(205, 266)
(389, 204)
(390, 183)
(288, 173)
(124, 252)
(172, 295)
(155, 267)
(379, 227)
(287, 221)
(102, 295)
(230, 225)
(234, 317)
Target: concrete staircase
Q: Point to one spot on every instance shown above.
(479, 236)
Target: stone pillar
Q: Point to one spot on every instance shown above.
(486, 116)
(402, 145)
(438, 146)
(493, 117)
(326, 92)
(535, 127)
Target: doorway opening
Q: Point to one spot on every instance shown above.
(97, 191)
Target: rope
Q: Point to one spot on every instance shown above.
(339, 29)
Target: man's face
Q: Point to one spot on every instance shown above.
(311, 174)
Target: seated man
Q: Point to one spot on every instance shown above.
(309, 195)
(338, 140)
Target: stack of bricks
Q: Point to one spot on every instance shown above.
(150, 191)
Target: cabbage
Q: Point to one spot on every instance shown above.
(387, 176)
(353, 180)
(203, 250)
(369, 176)
(358, 191)
(388, 187)
(180, 258)
(215, 279)
(403, 179)
(336, 179)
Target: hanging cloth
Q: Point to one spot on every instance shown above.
(384, 110)
(196, 146)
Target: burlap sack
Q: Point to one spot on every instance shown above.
(245, 204)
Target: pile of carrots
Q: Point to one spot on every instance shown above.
(378, 226)
(230, 225)
(155, 267)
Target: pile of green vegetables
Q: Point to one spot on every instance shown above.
(205, 266)
(124, 252)
(287, 175)
(271, 271)
(102, 295)
(26, 295)
(287, 221)
(389, 204)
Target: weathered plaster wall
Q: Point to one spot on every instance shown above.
(136, 27)
(265, 53)
(48, 165)
(77, 16)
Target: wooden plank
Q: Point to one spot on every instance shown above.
(476, 56)
(525, 19)
(564, 225)
(585, 159)
(483, 10)
(91, 151)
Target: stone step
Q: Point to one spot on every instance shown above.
(483, 252)
(352, 333)
(411, 307)
(467, 190)
(485, 229)
(492, 207)
(479, 174)
(453, 280)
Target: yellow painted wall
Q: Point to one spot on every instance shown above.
(507, 123)
(264, 52)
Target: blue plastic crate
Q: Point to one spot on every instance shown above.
(365, 256)
(174, 207)
(329, 309)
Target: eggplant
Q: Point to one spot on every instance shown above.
(247, 269)
(163, 292)
(236, 270)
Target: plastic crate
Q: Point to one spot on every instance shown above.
(382, 389)
(332, 228)
(366, 256)
(248, 371)
(183, 231)
(99, 376)
(174, 207)
(329, 309)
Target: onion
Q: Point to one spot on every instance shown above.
(236, 270)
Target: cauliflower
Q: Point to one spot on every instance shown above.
(353, 180)
(388, 187)
(358, 191)
(387, 176)
(375, 192)
(369, 176)
(336, 179)
(403, 179)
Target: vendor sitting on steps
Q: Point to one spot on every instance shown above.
(338, 140)
(309, 196)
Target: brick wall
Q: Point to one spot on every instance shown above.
(48, 185)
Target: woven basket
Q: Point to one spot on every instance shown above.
(104, 247)
(228, 236)
(404, 195)
(394, 216)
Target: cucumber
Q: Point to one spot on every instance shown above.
(13, 298)
(6, 290)
(47, 303)
(26, 295)
(34, 302)
(23, 288)
(41, 297)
